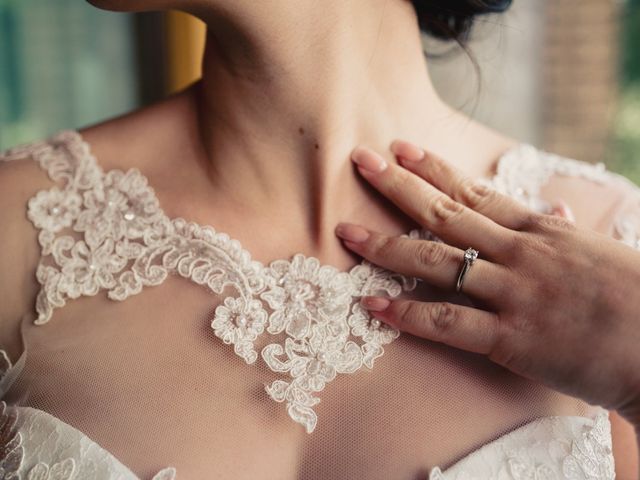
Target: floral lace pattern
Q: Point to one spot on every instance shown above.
(107, 231)
(42, 436)
(306, 310)
(11, 452)
(25, 441)
(551, 448)
(522, 172)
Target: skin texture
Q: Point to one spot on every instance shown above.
(587, 280)
(285, 96)
(266, 102)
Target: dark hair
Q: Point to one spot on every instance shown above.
(453, 19)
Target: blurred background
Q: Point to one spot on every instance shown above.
(563, 75)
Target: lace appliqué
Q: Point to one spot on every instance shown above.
(64, 470)
(107, 231)
(626, 224)
(13, 454)
(588, 456)
(11, 451)
(314, 305)
(523, 171)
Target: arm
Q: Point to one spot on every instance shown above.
(638, 443)
(626, 446)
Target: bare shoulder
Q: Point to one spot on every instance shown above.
(625, 447)
(143, 138)
(139, 138)
(598, 197)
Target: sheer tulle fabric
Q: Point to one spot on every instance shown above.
(153, 381)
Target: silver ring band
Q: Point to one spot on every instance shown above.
(470, 256)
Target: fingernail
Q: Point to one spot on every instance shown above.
(351, 232)
(562, 209)
(368, 159)
(407, 150)
(568, 213)
(375, 304)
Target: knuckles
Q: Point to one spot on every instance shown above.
(437, 168)
(530, 222)
(540, 222)
(442, 317)
(399, 183)
(409, 315)
(442, 210)
(432, 320)
(506, 284)
(502, 352)
(528, 249)
(382, 246)
(474, 194)
(555, 223)
(506, 346)
(430, 253)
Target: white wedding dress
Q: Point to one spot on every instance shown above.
(159, 349)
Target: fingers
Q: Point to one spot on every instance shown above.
(459, 326)
(437, 212)
(435, 262)
(444, 176)
(562, 209)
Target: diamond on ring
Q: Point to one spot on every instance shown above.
(470, 256)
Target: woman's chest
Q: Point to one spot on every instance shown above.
(150, 381)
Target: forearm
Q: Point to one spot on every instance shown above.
(629, 411)
(637, 426)
(633, 418)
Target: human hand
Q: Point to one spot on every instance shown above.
(561, 304)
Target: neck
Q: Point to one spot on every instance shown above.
(287, 93)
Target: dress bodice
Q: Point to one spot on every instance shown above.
(299, 320)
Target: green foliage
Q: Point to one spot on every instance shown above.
(625, 146)
(625, 151)
(63, 64)
(630, 42)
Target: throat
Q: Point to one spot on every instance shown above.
(284, 99)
